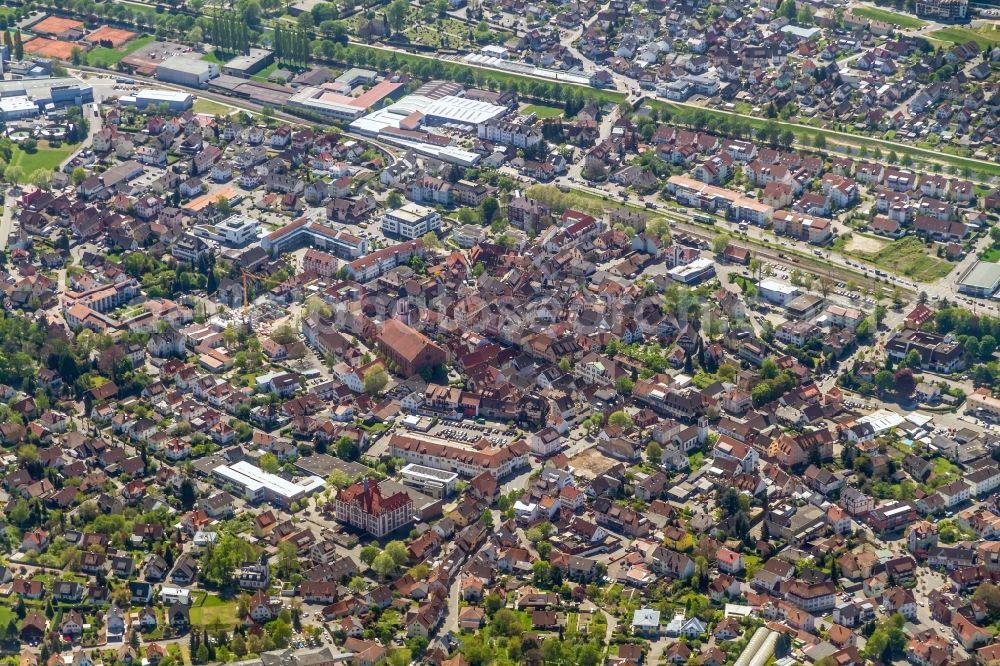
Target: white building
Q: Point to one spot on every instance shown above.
(187, 71)
(779, 293)
(236, 231)
(175, 595)
(175, 100)
(434, 482)
(411, 221)
(257, 485)
(15, 108)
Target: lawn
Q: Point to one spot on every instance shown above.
(542, 111)
(43, 158)
(202, 105)
(908, 256)
(957, 35)
(213, 611)
(264, 73)
(902, 20)
(991, 255)
(105, 57)
(7, 615)
(213, 56)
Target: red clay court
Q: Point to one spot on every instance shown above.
(54, 25)
(50, 48)
(108, 36)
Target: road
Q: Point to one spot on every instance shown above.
(6, 221)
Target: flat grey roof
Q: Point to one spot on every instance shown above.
(249, 60)
(184, 64)
(984, 275)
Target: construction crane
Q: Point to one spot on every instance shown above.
(248, 276)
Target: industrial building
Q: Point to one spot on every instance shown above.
(15, 108)
(435, 104)
(434, 482)
(256, 485)
(49, 94)
(324, 102)
(175, 100)
(245, 66)
(187, 71)
(410, 221)
(982, 281)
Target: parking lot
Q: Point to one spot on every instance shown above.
(470, 433)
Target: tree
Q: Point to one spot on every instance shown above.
(197, 36)
(394, 200)
(769, 369)
(269, 463)
(188, 494)
(368, 554)
(879, 314)
(396, 13)
(18, 46)
(40, 178)
(79, 175)
(654, 452)
(222, 558)
(488, 210)
(375, 380)
(13, 174)
(620, 419)
(347, 449)
(883, 380)
(804, 16)
(912, 359)
(384, 565)
(397, 551)
(904, 382)
(624, 386)
(720, 243)
(431, 241)
(989, 594)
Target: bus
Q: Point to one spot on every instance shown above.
(704, 219)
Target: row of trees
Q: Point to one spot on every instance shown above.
(15, 45)
(229, 34)
(291, 45)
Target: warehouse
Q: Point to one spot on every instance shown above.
(982, 281)
(175, 100)
(187, 71)
(245, 66)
